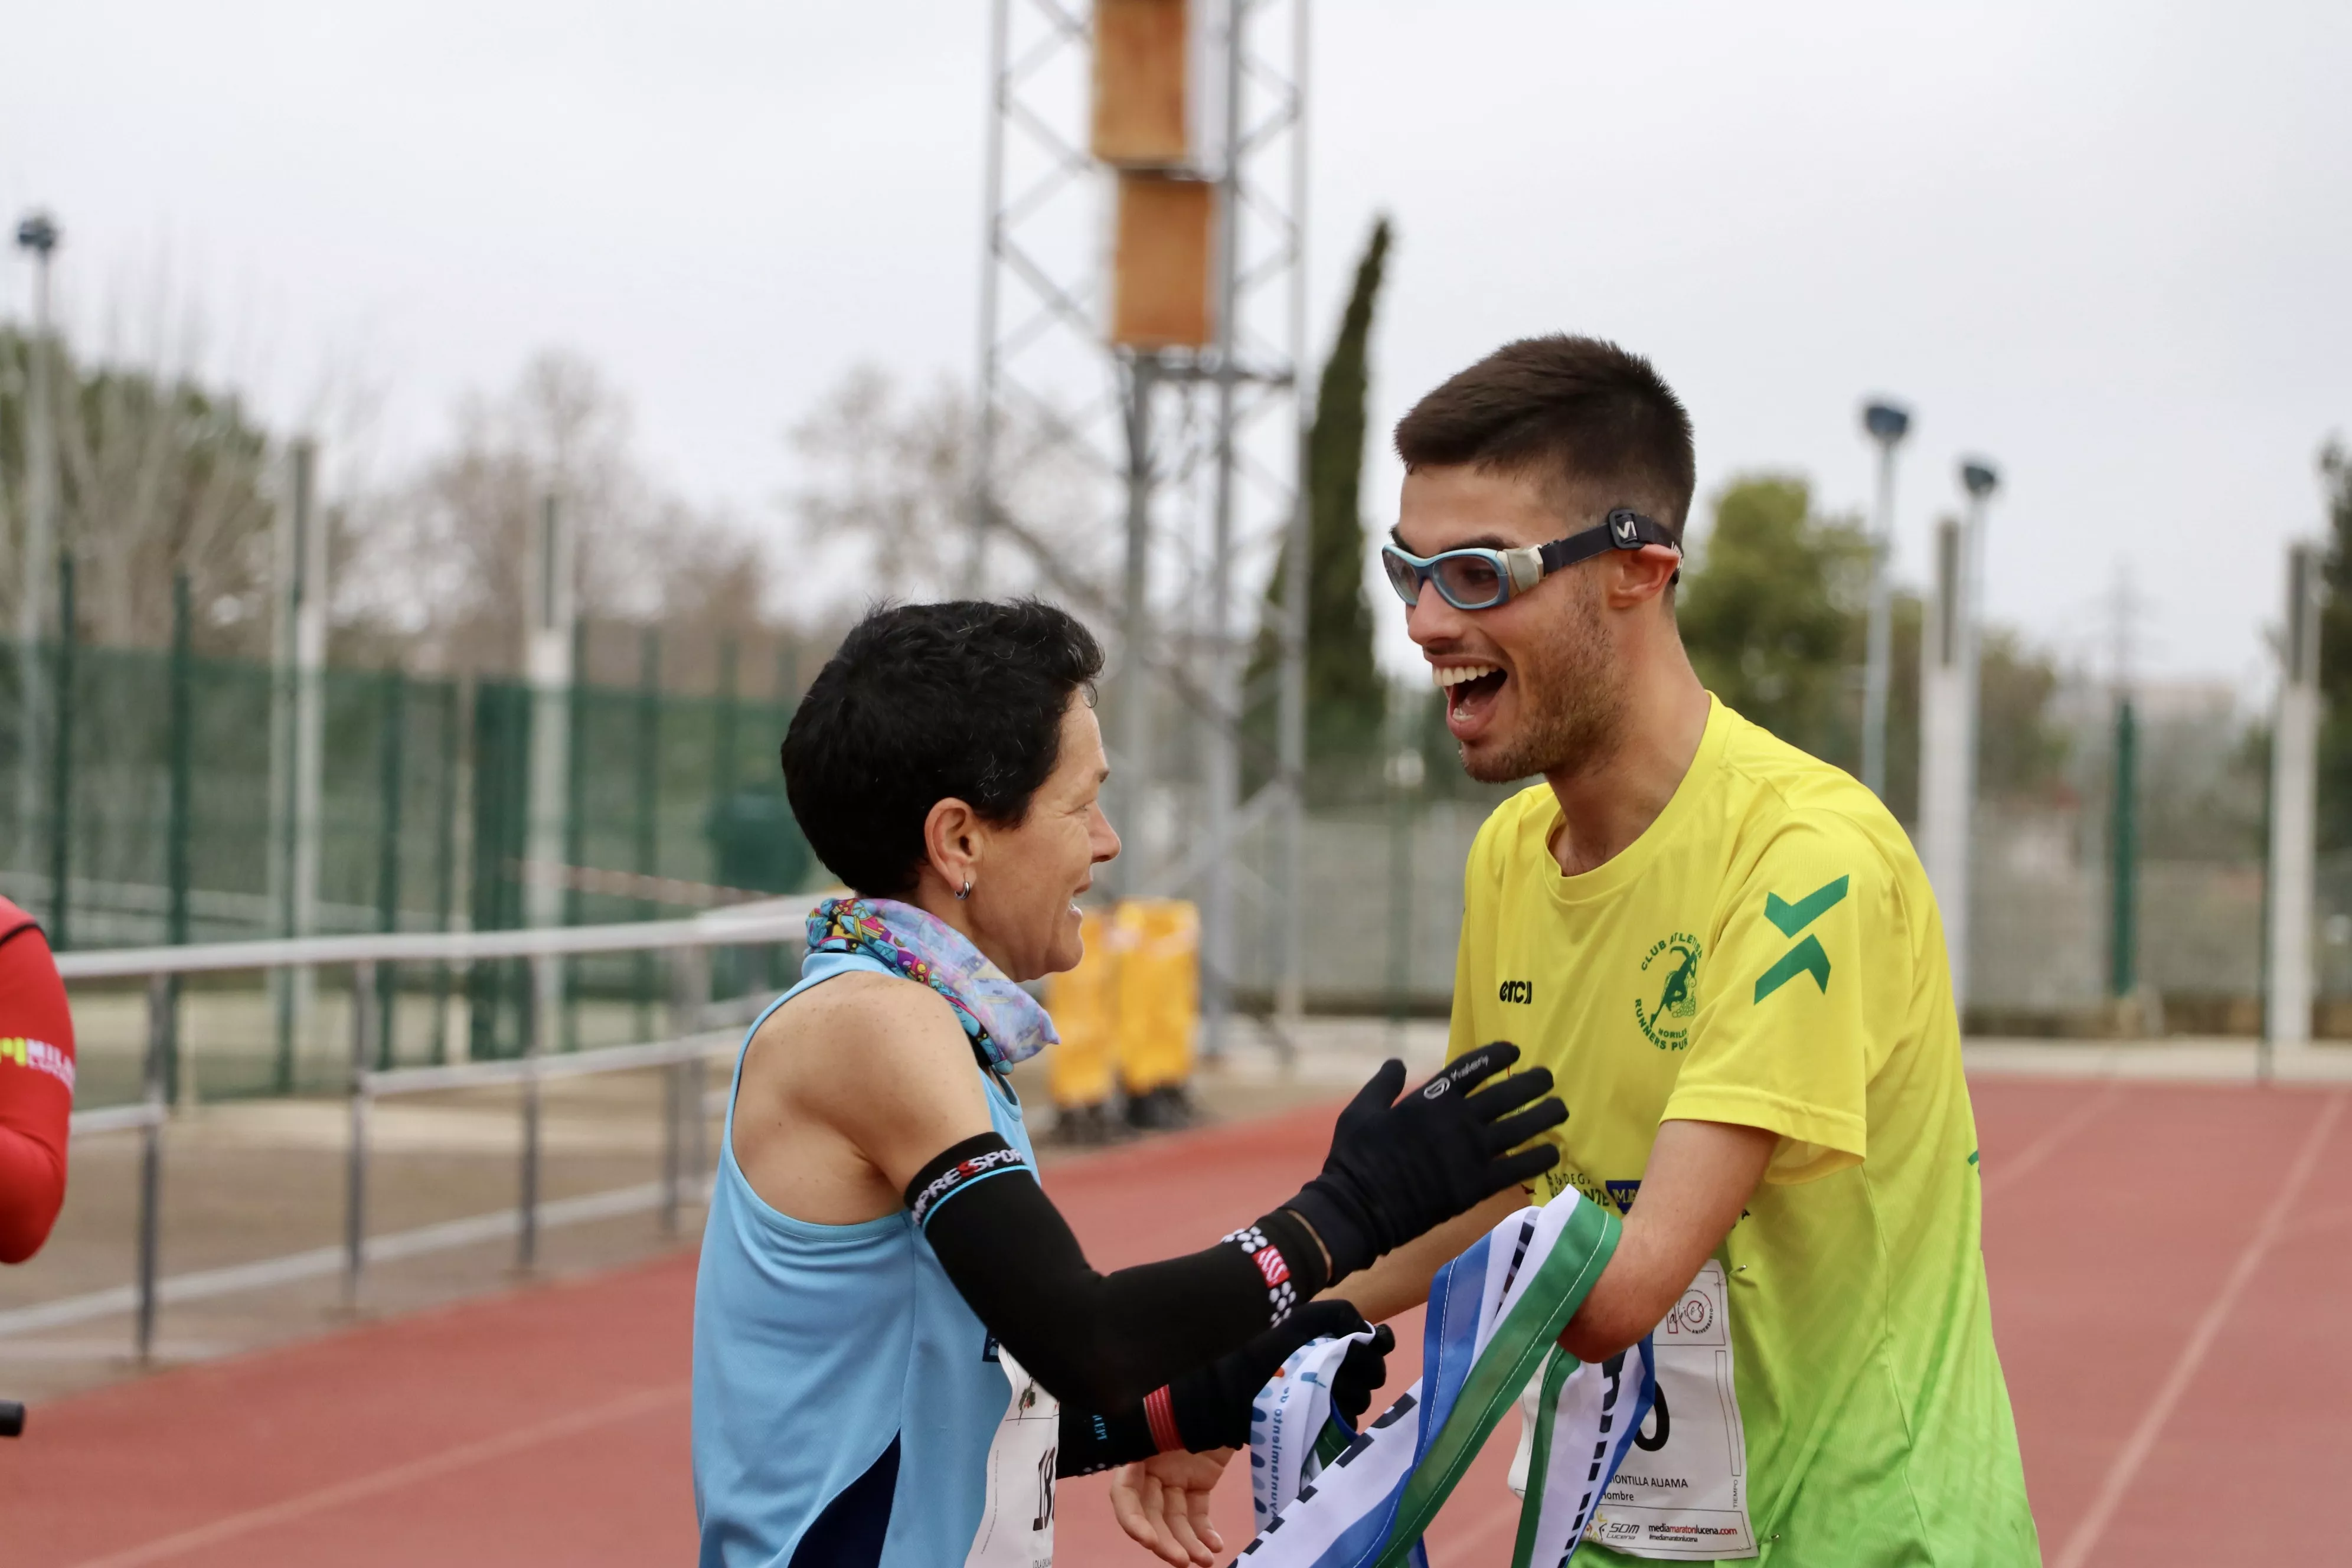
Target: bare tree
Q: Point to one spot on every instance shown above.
(892, 479)
(447, 559)
(158, 473)
(889, 495)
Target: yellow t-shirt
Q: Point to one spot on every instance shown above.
(1769, 953)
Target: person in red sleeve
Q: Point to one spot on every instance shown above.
(37, 1081)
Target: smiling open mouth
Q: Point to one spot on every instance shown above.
(1468, 688)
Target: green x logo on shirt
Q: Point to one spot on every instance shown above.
(1806, 957)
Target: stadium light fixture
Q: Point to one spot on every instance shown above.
(38, 232)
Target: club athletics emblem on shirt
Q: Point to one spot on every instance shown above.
(1668, 995)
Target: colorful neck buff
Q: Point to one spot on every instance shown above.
(1006, 1023)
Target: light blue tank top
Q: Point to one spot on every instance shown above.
(844, 1397)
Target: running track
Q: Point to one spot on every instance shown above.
(2172, 1271)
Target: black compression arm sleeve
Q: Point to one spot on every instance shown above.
(1098, 1341)
(1091, 1441)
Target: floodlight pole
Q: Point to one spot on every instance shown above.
(554, 617)
(1223, 756)
(1948, 718)
(1885, 422)
(1290, 990)
(2295, 779)
(37, 235)
(1134, 698)
(1218, 485)
(298, 734)
(982, 477)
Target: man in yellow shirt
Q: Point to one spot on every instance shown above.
(1728, 955)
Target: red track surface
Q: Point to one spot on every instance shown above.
(2171, 1269)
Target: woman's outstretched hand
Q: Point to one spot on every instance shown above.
(1162, 1503)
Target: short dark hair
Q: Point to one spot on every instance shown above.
(1580, 412)
(922, 702)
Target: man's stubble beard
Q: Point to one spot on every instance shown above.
(1571, 697)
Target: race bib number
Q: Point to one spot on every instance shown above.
(1016, 1522)
(1681, 1493)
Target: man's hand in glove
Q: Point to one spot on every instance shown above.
(1398, 1167)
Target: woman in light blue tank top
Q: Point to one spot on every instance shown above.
(853, 1331)
(878, 1262)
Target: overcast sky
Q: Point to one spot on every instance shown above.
(2108, 245)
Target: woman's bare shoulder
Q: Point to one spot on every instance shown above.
(861, 1026)
(863, 1004)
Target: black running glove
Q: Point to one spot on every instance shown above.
(1211, 1404)
(1398, 1168)
(1209, 1407)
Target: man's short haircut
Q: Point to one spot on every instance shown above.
(1586, 417)
(921, 703)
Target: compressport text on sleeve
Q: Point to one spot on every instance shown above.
(1098, 1341)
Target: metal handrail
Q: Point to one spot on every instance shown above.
(746, 925)
(129, 1118)
(384, 1085)
(682, 1056)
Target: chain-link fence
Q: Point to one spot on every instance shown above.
(152, 810)
(671, 801)
(156, 807)
(1384, 886)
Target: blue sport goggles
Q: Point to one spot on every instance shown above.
(1478, 578)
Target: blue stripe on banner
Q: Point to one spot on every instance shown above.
(1449, 1336)
(1358, 1543)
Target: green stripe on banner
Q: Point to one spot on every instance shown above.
(1520, 1341)
(1557, 1371)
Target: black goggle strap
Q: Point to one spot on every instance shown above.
(1623, 529)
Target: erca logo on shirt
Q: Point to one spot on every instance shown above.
(1669, 974)
(1516, 991)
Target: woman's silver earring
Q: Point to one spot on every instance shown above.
(964, 892)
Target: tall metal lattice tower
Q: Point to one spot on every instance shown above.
(1142, 320)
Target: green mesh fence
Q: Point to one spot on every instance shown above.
(145, 797)
(152, 793)
(673, 802)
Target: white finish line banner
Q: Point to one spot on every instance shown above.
(1495, 1313)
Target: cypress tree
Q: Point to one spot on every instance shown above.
(1345, 696)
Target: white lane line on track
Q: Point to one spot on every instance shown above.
(2135, 1452)
(2041, 1148)
(2325, 1219)
(393, 1479)
(321, 1261)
